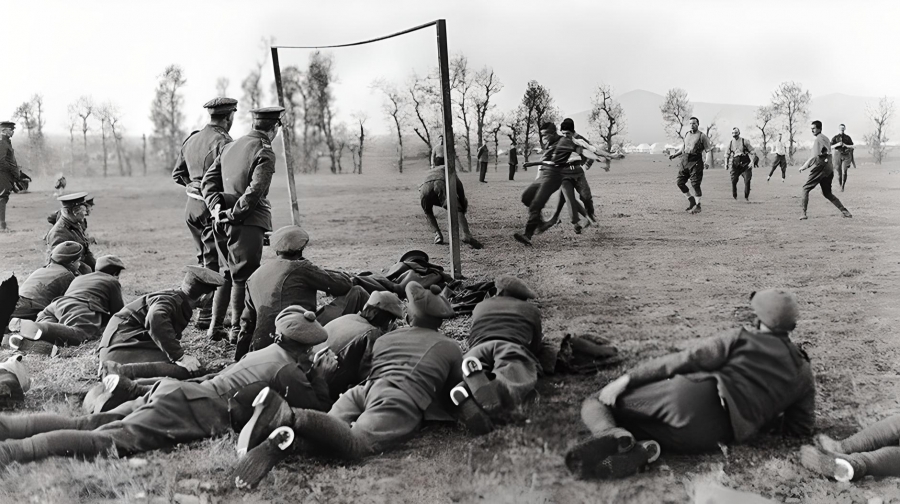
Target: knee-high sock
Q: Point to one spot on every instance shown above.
(330, 433)
(238, 292)
(881, 462)
(23, 426)
(464, 225)
(599, 419)
(64, 443)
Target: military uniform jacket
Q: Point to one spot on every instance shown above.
(66, 230)
(197, 154)
(507, 319)
(352, 338)
(101, 292)
(422, 362)
(156, 319)
(9, 169)
(244, 171)
(46, 284)
(759, 375)
(280, 283)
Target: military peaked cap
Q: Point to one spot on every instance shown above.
(72, 199)
(267, 112)
(7, 124)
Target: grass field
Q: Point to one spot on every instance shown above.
(650, 277)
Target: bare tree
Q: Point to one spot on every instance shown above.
(791, 102)
(341, 141)
(394, 105)
(676, 112)
(166, 114)
(537, 107)
(492, 126)
(461, 84)
(486, 86)
(83, 108)
(425, 101)
(72, 125)
(514, 124)
(764, 125)
(880, 115)
(144, 153)
(358, 146)
(24, 112)
(110, 115)
(252, 89)
(607, 117)
(222, 84)
(320, 77)
(102, 114)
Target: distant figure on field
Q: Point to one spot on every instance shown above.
(780, 159)
(513, 161)
(725, 389)
(695, 143)
(9, 168)
(482, 162)
(60, 185)
(433, 192)
(740, 156)
(821, 172)
(842, 157)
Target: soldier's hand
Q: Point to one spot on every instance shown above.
(190, 363)
(326, 362)
(613, 390)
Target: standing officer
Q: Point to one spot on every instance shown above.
(235, 189)
(842, 149)
(198, 152)
(513, 160)
(9, 169)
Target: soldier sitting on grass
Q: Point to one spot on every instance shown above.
(49, 282)
(724, 390)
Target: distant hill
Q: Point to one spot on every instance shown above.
(645, 121)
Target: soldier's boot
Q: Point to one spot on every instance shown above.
(78, 444)
(622, 465)
(113, 391)
(23, 426)
(238, 292)
(607, 439)
(204, 316)
(477, 421)
(270, 411)
(141, 370)
(257, 463)
(219, 307)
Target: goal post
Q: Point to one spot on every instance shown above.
(447, 117)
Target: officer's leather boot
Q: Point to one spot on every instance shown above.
(238, 292)
(219, 307)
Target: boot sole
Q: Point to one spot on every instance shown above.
(266, 407)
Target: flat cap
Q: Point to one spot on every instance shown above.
(72, 199)
(386, 301)
(776, 308)
(196, 278)
(427, 302)
(220, 105)
(66, 252)
(295, 323)
(267, 112)
(512, 286)
(7, 124)
(289, 239)
(107, 261)
(567, 125)
(413, 254)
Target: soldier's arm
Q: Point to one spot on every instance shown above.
(180, 173)
(708, 355)
(116, 302)
(800, 417)
(162, 332)
(263, 168)
(334, 283)
(211, 184)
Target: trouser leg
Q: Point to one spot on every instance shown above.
(23, 426)
(748, 175)
(482, 171)
(152, 370)
(330, 433)
(238, 293)
(63, 335)
(464, 225)
(587, 198)
(560, 205)
(829, 195)
(735, 175)
(575, 208)
(599, 419)
(878, 435)
(550, 184)
(4, 199)
(65, 443)
(512, 172)
(881, 462)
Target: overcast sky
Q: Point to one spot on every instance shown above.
(729, 52)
